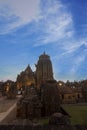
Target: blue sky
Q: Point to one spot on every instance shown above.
(30, 27)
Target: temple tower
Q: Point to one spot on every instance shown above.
(26, 78)
(44, 70)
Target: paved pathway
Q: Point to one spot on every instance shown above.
(2, 98)
(5, 114)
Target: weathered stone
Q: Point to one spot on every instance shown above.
(29, 107)
(50, 97)
(59, 119)
(44, 70)
(25, 78)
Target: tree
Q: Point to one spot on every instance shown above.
(84, 89)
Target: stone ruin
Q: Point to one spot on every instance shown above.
(29, 106)
(36, 104)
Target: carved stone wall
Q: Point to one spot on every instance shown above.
(25, 78)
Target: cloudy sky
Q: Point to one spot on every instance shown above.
(30, 27)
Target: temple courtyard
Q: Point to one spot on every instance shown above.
(78, 112)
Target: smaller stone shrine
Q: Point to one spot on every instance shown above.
(29, 106)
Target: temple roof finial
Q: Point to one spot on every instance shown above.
(44, 53)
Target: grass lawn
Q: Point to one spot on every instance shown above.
(44, 121)
(78, 113)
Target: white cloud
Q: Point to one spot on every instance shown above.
(57, 23)
(77, 53)
(76, 63)
(70, 47)
(24, 11)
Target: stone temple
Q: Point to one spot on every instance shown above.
(41, 94)
(25, 78)
(44, 70)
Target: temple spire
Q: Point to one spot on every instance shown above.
(44, 53)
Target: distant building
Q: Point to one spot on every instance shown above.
(69, 94)
(1, 88)
(9, 89)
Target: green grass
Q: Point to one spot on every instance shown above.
(44, 121)
(78, 113)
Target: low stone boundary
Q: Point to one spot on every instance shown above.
(46, 127)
